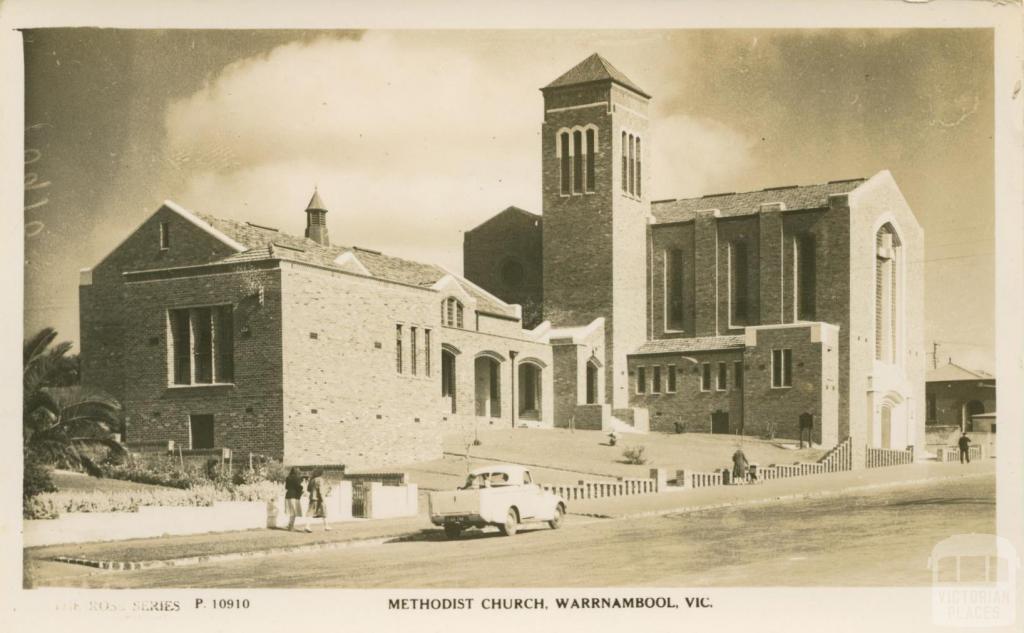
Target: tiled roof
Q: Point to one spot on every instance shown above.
(267, 243)
(595, 68)
(697, 344)
(952, 372)
(746, 203)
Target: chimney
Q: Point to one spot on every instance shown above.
(316, 220)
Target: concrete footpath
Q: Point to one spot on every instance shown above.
(211, 547)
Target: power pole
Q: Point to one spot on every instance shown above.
(935, 354)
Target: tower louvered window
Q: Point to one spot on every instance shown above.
(887, 309)
(591, 161)
(565, 163)
(577, 162)
(639, 191)
(625, 163)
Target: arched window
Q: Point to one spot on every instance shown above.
(625, 163)
(566, 162)
(638, 180)
(887, 299)
(577, 162)
(591, 161)
(451, 312)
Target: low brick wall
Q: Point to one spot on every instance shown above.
(386, 502)
(339, 506)
(149, 521)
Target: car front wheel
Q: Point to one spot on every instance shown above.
(511, 525)
(556, 522)
(452, 531)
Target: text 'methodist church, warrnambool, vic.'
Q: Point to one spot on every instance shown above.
(720, 314)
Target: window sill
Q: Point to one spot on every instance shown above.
(202, 385)
(782, 387)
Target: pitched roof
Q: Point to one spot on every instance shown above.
(513, 210)
(262, 242)
(952, 372)
(595, 68)
(693, 344)
(746, 203)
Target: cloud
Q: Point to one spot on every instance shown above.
(411, 137)
(696, 156)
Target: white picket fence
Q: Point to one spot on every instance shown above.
(952, 453)
(600, 489)
(882, 457)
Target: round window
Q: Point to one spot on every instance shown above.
(512, 273)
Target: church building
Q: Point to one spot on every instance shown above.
(730, 313)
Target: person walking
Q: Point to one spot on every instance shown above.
(318, 492)
(806, 426)
(293, 490)
(965, 445)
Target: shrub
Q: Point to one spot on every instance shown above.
(158, 470)
(634, 455)
(50, 505)
(37, 477)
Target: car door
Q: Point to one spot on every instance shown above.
(533, 498)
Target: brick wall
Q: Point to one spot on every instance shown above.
(510, 236)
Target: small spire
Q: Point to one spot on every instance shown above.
(315, 203)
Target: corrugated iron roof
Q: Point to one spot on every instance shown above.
(749, 202)
(952, 372)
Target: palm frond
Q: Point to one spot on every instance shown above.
(36, 345)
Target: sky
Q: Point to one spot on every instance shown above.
(413, 137)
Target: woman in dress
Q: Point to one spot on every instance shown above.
(293, 490)
(318, 491)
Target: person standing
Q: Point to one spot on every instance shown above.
(965, 446)
(293, 490)
(318, 492)
(806, 426)
(740, 465)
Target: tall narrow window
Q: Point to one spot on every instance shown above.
(591, 162)
(165, 235)
(458, 315)
(413, 352)
(398, 348)
(738, 284)
(737, 374)
(656, 379)
(641, 380)
(705, 377)
(181, 346)
(639, 187)
(887, 311)
(782, 368)
(577, 162)
(202, 347)
(671, 386)
(674, 289)
(426, 352)
(625, 163)
(566, 163)
(632, 165)
(224, 345)
(723, 377)
(804, 271)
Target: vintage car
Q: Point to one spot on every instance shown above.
(501, 495)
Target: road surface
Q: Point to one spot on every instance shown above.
(881, 537)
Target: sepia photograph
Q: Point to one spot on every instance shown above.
(520, 308)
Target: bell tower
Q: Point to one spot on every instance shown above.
(316, 220)
(596, 210)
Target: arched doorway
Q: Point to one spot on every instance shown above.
(592, 374)
(487, 386)
(448, 381)
(970, 409)
(530, 391)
